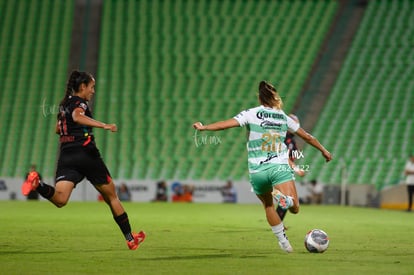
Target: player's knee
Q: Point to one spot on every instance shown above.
(60, 203)
(294, 209)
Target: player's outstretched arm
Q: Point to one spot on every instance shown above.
(314, 142)
(216, 126)
(80, 117)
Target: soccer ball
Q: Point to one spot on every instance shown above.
(316, 241)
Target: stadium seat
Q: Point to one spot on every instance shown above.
(192, 65)
(35, 41)
(366, 121)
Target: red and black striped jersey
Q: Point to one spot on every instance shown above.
(72, 133)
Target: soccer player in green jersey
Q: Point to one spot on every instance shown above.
(268, 157)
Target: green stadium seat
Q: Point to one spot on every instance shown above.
(370, 122)
(35, 36)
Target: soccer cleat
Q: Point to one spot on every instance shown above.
(138, 239)
(285, 246)
(31, 183)
(284, 202)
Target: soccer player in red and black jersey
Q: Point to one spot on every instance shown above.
(293, 149)
(291, 145)
(79, 157)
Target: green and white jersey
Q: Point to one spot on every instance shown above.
(266, 133)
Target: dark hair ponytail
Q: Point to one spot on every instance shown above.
(76, 78)
(268, 95)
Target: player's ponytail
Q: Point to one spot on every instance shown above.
(76, 78)
(268, 95)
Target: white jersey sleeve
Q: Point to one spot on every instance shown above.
(292, 125)
(243, 117)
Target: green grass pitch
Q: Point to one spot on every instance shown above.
(82, 238)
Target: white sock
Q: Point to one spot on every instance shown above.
(279, 231)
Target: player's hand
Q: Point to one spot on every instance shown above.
(300, 172)
(327, 156)
(111, 127)
(198, 126)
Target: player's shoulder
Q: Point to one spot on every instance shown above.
(247, 112)
(74, 98)
(253, 109)
(78, 102)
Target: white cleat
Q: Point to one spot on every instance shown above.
(285, 246)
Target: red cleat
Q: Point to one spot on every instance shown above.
(138, 239)
(31, 183)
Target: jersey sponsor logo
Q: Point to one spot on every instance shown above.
(264, 114)
(64, 139)
(270, 125)
(270, 156)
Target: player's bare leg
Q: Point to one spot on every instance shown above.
(63, 190)
(289, 189)
(110, 196)
(274, 221)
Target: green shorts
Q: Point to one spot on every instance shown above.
(263, 182)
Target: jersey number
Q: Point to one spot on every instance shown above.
(63, 127)
(271, 142)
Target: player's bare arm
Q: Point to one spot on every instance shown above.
(308, 138)
(217, 126)
(79, 117)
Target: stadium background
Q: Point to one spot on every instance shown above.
(344, 67)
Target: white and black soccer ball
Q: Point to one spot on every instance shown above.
(316, 241)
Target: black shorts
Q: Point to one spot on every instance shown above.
(74, 164)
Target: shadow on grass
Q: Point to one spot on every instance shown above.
(23, 252)
(201, 257)
(189, 257)
(215, 254)
(40, 252)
